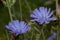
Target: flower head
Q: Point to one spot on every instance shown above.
(43, 15)
(52, 37)
(17, 27)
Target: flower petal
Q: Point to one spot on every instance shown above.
(17, 27)
(52, 19)
(40, 21)
(33, 16)
(42, 11)
(48, 11)
(47, 22)
(50, 38)
(50, 14)
(42, 15)
(37, 13)
(54, 35)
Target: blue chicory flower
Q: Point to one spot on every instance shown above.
(43, 15)
(52, 37)
(17, 27)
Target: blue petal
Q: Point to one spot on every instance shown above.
(50, 14)
(47, 22)
(33, 20)
(17, 32)
(40, 21)
(22, 24)
(17, 27)
(11, 27)
(15, 23)
(42, 11)
(37, 13)
(50, 38)
(46, 14)
(33, 16)
(25, 29)
(54, 35)
(52, 19)
(48, 11)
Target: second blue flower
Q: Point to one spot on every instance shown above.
(43, 15)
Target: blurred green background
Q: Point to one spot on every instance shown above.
(27, 7)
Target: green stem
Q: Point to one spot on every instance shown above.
(43, 31)
(56, 14)
(7, 35)
(32, 35)
(43, 34)
(56, 6)
(28, 6)
(20, 9)
(57, 32)
(37, 36)
(37, 29)
(9, 9)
